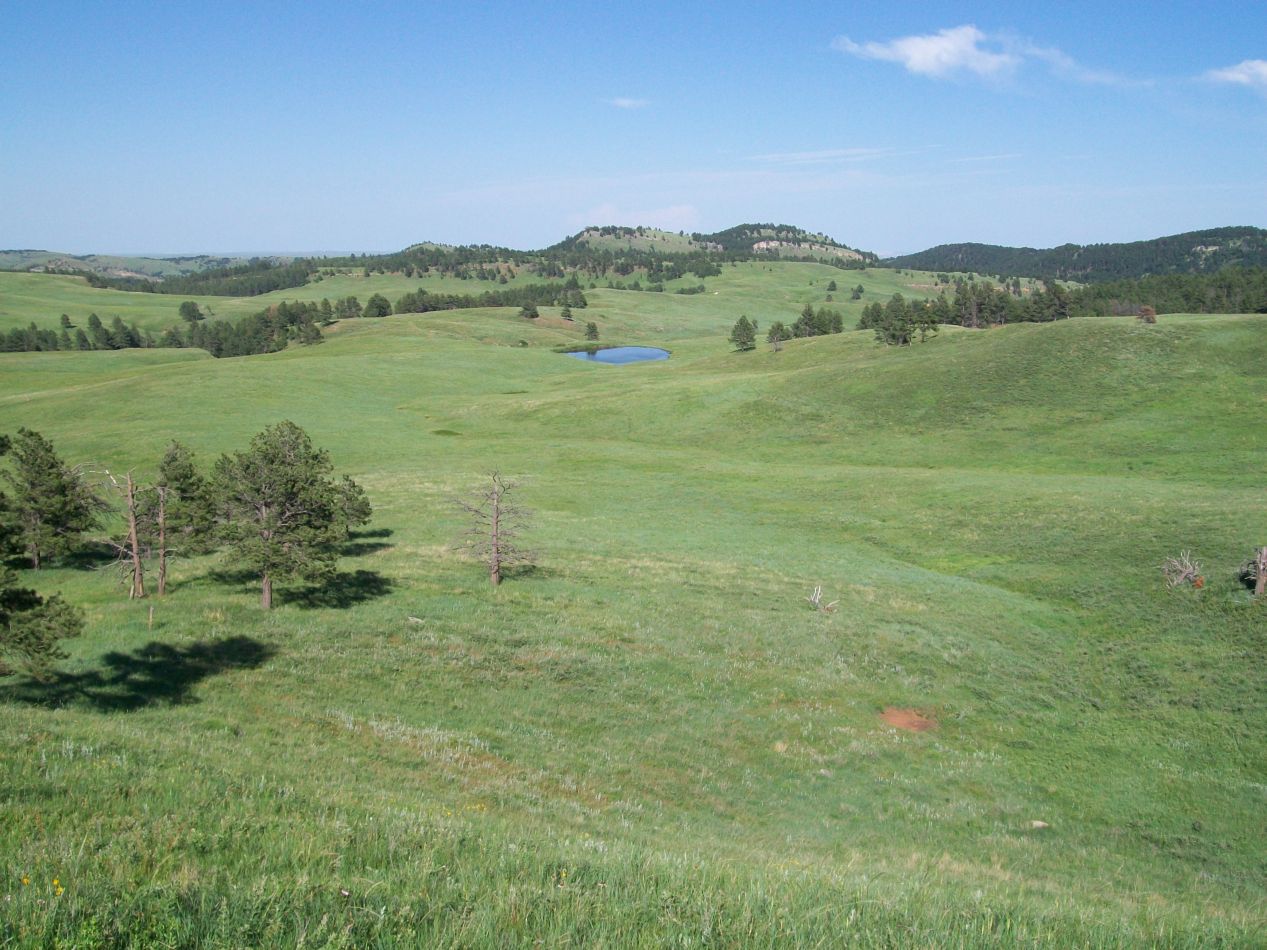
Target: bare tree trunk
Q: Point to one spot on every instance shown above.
(162, 540)
(134, 544)
(1260, 564)
(495, 552)
(266, 593)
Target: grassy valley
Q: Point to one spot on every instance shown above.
(650, 736)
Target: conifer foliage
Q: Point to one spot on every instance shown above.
(53, 505)
(31, 626)
(282, 514)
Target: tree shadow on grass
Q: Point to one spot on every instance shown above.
(341, 590)
(157, 674)
(360, 543)
(362, 548)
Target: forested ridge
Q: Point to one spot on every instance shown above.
(1199, 252)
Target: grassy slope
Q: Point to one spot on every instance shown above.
(653, 737)
(776, 290)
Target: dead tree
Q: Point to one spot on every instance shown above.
(129, 550)
(160, 525)
(496, 523)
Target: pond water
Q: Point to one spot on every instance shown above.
(623, 354)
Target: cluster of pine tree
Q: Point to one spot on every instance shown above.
(1231, 290)
(117, 336)
(568, 294)
(267, 331)
(977, 303)
(818, 322)
(256, 276)
(899, 322)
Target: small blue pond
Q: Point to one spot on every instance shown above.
(624, 354)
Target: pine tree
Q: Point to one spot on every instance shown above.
(744, 335)
(31, 627)
(282, 513)
(52, 504)
(377, 306)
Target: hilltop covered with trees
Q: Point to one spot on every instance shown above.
(1200, 252)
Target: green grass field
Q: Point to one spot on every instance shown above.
(770, 291)
(651, 738)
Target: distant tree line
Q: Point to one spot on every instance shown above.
(1231, 290)
(981, 303)
(256, 276)
(1193, 252)
(529, 295)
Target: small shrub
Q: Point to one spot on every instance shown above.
(1181, 570)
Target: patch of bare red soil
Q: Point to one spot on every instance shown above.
(908, 719)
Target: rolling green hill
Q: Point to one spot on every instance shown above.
(1195, 252)
(767, 290)
(651, 737)
(111, 265)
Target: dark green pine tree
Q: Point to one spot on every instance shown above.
(190, 508)
(743, 336)
(97, 333)
(377, 306)
(31, 627)
(52, 505)
(282, 514)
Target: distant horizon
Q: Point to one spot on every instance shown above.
(168, 255)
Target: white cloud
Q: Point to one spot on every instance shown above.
(624, 102)
(939, 54)
(966, 49)
(1252, 72)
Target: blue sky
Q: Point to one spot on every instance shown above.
(140, 127)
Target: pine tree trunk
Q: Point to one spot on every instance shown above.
(266, 593)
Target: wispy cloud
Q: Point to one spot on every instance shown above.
(941, 54)
(625, 102)
(1252, 73)
(1066, 67)
(825, 156)
(966, 49)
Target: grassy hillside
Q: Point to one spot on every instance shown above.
(651, 737)
(779, 290)
(111, 264)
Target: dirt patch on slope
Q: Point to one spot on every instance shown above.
(908, 719)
